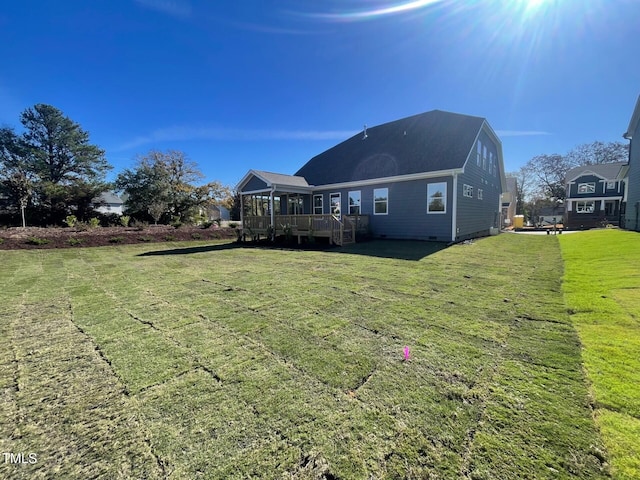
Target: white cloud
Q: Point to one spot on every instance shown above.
(175, 8)
(181, 133)
(520, 133)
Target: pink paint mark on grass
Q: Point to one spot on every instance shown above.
(407, 353)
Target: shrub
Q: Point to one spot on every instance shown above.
(233, 225)
(94, 222)
(176, 224)
(170, 238)
(196, 236)
(145, 239)
(1, 241)
(116, 239)
(124, 220)
(138, 225)
(37, 241)
(74, 241)
(71, 220)
(207, 224)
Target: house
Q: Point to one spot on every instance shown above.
(632, 213)
(550, 216)
(595, 195)
(218, 212)
(108, 203)
(433, 176)
(509, 202)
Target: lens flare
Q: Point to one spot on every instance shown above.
(367, 14)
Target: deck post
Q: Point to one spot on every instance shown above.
(242, 216)
(273, 218)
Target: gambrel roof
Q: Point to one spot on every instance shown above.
(633, 123)
(427, 142)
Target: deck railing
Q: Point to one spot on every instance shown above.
(319, 223)
(326, 225)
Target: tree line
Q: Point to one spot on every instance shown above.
(541, 181)
(51, 170)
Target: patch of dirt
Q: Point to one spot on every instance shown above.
(36, 237)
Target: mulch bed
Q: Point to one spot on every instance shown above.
(35, 237)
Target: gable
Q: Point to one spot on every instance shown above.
(604, 171)
(257, 180)
(430, 142)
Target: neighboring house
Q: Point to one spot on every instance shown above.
(218, 212)
(509, 201)
(108, 203)
(433, 176)
(595, 195)
(632, 213)
(550, 216)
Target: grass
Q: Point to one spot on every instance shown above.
(213, 361)
(602, 289)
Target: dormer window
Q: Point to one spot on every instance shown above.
(587, 187)
(611, 185)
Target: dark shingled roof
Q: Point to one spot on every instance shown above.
(427, 142)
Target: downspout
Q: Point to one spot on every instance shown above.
(454, 208)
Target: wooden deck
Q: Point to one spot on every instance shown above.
(340, 231)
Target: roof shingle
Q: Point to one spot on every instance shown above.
(427, 142)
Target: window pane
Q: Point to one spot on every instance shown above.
(437, 197)
(380, 201)
(354, 203)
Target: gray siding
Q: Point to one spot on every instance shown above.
(475, 217)
(632, 215)
(407, 216)
(255, 184)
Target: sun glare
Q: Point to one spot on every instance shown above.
(370, 13)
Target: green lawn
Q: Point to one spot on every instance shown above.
(602, 289)
(175, 361)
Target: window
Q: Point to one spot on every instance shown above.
(611, 185)
(437, 197)
(484, 157)
(354, 203)
(317, 205)
(480, 194)
(380, 201)
(467, 190)
(587, 187)
(295, 205)
(335, 199)
(479, 160)
(585, 207)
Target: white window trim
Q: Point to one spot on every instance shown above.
(480, 194)
(331, 196)
(359, 192)
(467, 190)
(386, 202)
(584, 203)
(444, 199)
(321, 203)
(591, 188)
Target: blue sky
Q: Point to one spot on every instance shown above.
(268, 84)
